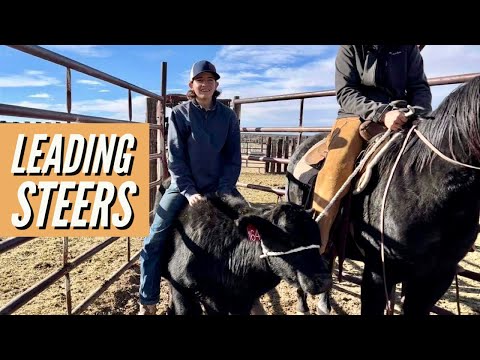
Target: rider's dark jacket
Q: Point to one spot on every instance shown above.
(369, 77)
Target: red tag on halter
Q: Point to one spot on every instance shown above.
(253, 234)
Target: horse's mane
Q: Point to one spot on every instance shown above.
(454, 123)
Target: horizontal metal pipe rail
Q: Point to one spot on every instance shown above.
(441, 80)
(25, 112)
(294, 96)
(279, 192)
(265, 159)
(40, 286)
(21, 111)
(75, 65)
(95, 294)
(13, 242)
(285, 129)
(469, 274)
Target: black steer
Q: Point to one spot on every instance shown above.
(225, 254)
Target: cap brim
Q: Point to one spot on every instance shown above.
(215, 75)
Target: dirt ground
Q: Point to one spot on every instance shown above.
(22, 267)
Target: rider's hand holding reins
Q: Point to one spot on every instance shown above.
(394, 119)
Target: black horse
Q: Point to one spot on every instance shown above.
(431, 210)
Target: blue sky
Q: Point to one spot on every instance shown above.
(246, 71)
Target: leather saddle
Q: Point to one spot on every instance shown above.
(305, 174)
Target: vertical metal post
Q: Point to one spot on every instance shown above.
(237, 108)
(68, 294)
(129, 105)
(161, 118)
(69, 90)
(300, 120)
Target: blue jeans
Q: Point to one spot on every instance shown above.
(171, 203)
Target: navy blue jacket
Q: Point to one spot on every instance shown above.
(204, 148)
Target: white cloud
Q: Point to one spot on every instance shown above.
(257, 71)
(34, 72)
(261, 57)
(40, 96)
(43, 106)
(318, 112)
(446, 60)
(90, 82)
(33, 78)
(104, 91)
(263, 70)
(82, 50)
(114, 109)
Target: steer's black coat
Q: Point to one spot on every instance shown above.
(211, 259)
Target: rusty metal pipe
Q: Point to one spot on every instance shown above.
(13, 242)
(20, 111)
(265, 159)
(40, 286)
(294, 96)
(442, 80)
(48, 55)
(279, 192)
(285, 129)
(101, 289)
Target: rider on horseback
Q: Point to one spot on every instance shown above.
(367, 79)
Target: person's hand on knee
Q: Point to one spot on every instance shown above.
(195, 199)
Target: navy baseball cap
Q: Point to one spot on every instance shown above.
(203, 66)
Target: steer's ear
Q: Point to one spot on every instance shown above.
(273, 237)
(223, 206)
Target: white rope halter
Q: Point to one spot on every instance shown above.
(267, 252)
(254, 236)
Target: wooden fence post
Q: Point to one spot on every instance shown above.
(279, 155)
(285, 151)
(237, 108)
(267, 153)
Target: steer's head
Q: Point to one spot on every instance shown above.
(290, 241)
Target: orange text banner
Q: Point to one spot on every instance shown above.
(74, 179)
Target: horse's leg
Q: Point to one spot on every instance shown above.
(323, 300)
(422, 293)
(302, 306)
(373, 295)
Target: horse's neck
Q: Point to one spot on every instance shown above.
(424, 165)
(453, 144)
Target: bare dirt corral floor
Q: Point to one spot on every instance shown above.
(27, 264)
